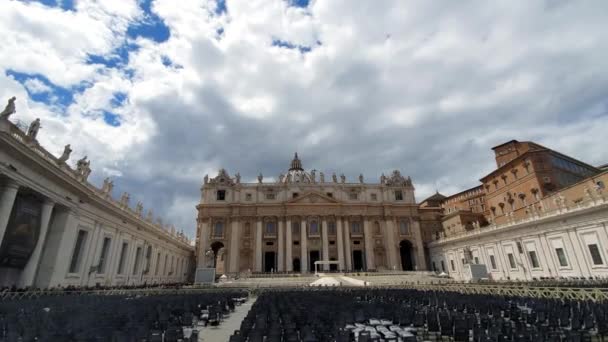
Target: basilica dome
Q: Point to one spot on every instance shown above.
(296, 173)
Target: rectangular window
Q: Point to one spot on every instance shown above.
(294, 195)
(476, 259)
(105, 247)
(404, 228)
(353, 195)
(123, 256)
(157, 264)
(374, 197)
(561, 257)
(355, 227)
(511, 260)
(453, 266)
(295, 228)
(137, 260)
(248, 197)
(270, 196)
(331, 228)
(492, 262)
(221, 195)
(329, 194)
(442, 266)
(398, 195)
(78, 249)
(533, 259)
(463, 261)
(596, 256)
(270, 228)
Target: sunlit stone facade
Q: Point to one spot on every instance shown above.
(301, 217)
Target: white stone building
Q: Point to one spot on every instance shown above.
(564, 235)
(56, 229)
(288, 224)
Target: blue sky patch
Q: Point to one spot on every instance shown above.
(288, 45)
(54, 96)
(67, 5)
(111, 118)
(152, 27)
(220, 7)
(118, 99)
(299, 3)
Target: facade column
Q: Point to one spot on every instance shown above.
(258, 246)
(204, 236)
(281, 256)
(347, 251)
(369, 245)
(29, 272)
(303, 247)
(234, 247)
(391, 244)
(7, 199)
(325, 243)
(420, 257)
(340, 244)
(288, 246)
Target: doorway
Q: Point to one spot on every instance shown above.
(269, 259)
(333, 267)
(405, 251)
(296, 265)
(358, 260)
(314, 256)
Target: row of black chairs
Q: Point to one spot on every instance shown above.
(408, 315)
(167, 317)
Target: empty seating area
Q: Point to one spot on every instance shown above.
(342, 315)
(170, 317)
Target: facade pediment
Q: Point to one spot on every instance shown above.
(312, 198)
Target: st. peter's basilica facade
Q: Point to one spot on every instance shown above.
(303, 219)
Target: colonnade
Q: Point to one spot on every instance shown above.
(377, 236)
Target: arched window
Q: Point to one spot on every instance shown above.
(313, 228)
(404, 227)
(218, 229)
(271, 228)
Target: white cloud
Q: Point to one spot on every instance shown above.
(36, 86)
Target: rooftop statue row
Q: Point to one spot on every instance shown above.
(296, 174)
(83, 170)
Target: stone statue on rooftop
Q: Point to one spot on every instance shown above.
(107, 187)
(149, 216)
(313, 176)
(382, 179)
(206, 179)
(32, 131)
(260, 178)
(83, 168)
(342, 178)
(334, 177)
(124, 200)
(139, 208)
(361, 178)
(321, 177)
(9, 109)
(238, 178)
(67, 150)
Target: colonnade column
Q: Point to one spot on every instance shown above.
(29, 272)
(7, 199)
(258, 246)
(280, 266)
(390, 244)
(288, 246)
(234, 247)
(303, 247)
(347, 251)
(325, 244)
(369, 245)
(420, 257)
(340, 244)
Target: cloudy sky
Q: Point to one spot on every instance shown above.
(159, 93)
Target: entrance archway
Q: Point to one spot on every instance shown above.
(216, 247)
(358, 260)
(269, 260)
(314, 256)
(296, 264)
(405, 251)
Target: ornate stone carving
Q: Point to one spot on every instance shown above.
(32, 131)
(107, 187)
(9, 109)
(124, 200)
(83, 169)
(222, 178)
(139, 208)
(67, 150)
(396, 179)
